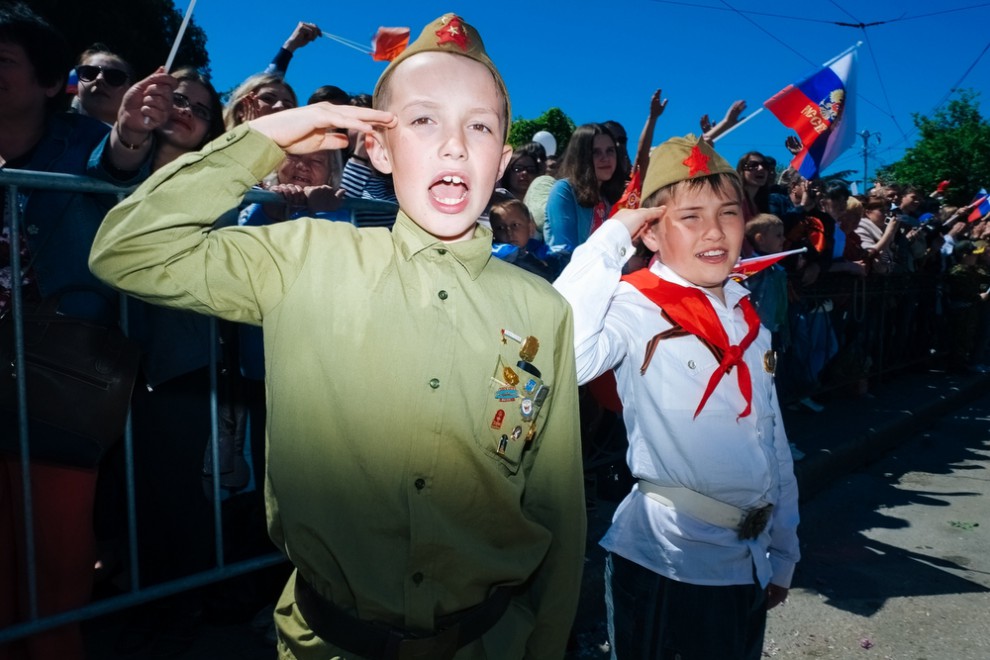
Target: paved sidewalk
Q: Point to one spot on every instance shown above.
(847, 434)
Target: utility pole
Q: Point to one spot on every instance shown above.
(866, 135)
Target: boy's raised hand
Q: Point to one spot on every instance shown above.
(636, 220)
(310, 128)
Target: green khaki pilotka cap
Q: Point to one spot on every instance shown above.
(448, 34)
(682, 158)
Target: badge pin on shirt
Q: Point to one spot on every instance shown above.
(528, 348)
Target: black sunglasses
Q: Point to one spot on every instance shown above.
(112, 77)
(755, 165)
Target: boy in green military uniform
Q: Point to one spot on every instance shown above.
(424, 474)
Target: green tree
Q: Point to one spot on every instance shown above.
(954, 144)
(554, 121)
(140, 31)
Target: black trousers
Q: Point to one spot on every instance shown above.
(651, 617)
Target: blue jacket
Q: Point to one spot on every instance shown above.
(60, 225)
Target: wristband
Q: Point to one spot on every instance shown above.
(127, 145)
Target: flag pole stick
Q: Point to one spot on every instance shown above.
(178, 36)
(741, 122)
(347, 42)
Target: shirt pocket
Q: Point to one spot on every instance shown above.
(682, 373)
(512, 407)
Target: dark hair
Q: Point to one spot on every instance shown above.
(538, 157)
(750, 154)
(836, 190)
(100, 48)
(361, 100)
(216, 128)
(330, 93)
(44, 46)
(578, 166)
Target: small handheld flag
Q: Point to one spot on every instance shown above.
(388, 42)
(749, 267)
(386, 45)
(982, 206)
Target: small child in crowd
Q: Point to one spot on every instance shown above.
(423, 473)
(515, 240)
(768, 288)
(707, 540)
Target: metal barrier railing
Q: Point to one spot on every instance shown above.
(14, 180)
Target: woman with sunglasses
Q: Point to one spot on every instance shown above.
(756, 173)
(103, 78)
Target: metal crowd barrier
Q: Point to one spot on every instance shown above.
(13, 181)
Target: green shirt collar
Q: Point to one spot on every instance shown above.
(473, 254)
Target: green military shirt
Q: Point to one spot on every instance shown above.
(400, 482)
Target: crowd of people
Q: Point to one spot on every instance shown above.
(892, 275)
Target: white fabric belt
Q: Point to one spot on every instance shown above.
(695, 504)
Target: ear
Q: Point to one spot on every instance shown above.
(506, 155)
(56, 88)
(378, 153)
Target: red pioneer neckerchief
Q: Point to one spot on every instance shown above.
(690, 312)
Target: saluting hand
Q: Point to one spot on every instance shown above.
(637, 220)
(310, 128)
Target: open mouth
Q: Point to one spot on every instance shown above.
(713, 256)
(449, 190)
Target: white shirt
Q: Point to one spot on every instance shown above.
(743, 461)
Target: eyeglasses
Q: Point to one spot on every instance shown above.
(519, 169)
(755, 165)
(200, 111)
(112, 77)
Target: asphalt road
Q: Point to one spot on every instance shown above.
(896, 557)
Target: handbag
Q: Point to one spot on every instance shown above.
(79, 375)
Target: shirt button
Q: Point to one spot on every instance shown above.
(691, 364)
(622, 252)
(434, 383)
(420, 484)
(442, 295)
(441, 252)
(417, 577)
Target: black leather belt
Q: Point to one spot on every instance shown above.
(379, 641)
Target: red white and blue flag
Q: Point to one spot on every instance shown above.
(982, 206)
(821, 108)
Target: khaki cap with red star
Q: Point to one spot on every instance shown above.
(448, 34)
(682, 158)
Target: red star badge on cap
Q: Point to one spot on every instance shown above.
(697, 162)
(453, 32)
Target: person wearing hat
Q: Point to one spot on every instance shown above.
(423, 474)
(706, 541)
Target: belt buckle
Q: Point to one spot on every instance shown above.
(440, 646)
(755, 522)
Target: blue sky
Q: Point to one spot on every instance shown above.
(602, 60)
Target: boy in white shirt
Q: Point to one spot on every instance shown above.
(706, 541)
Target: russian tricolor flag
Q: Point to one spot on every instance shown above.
(821, 108)
(982, 206)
